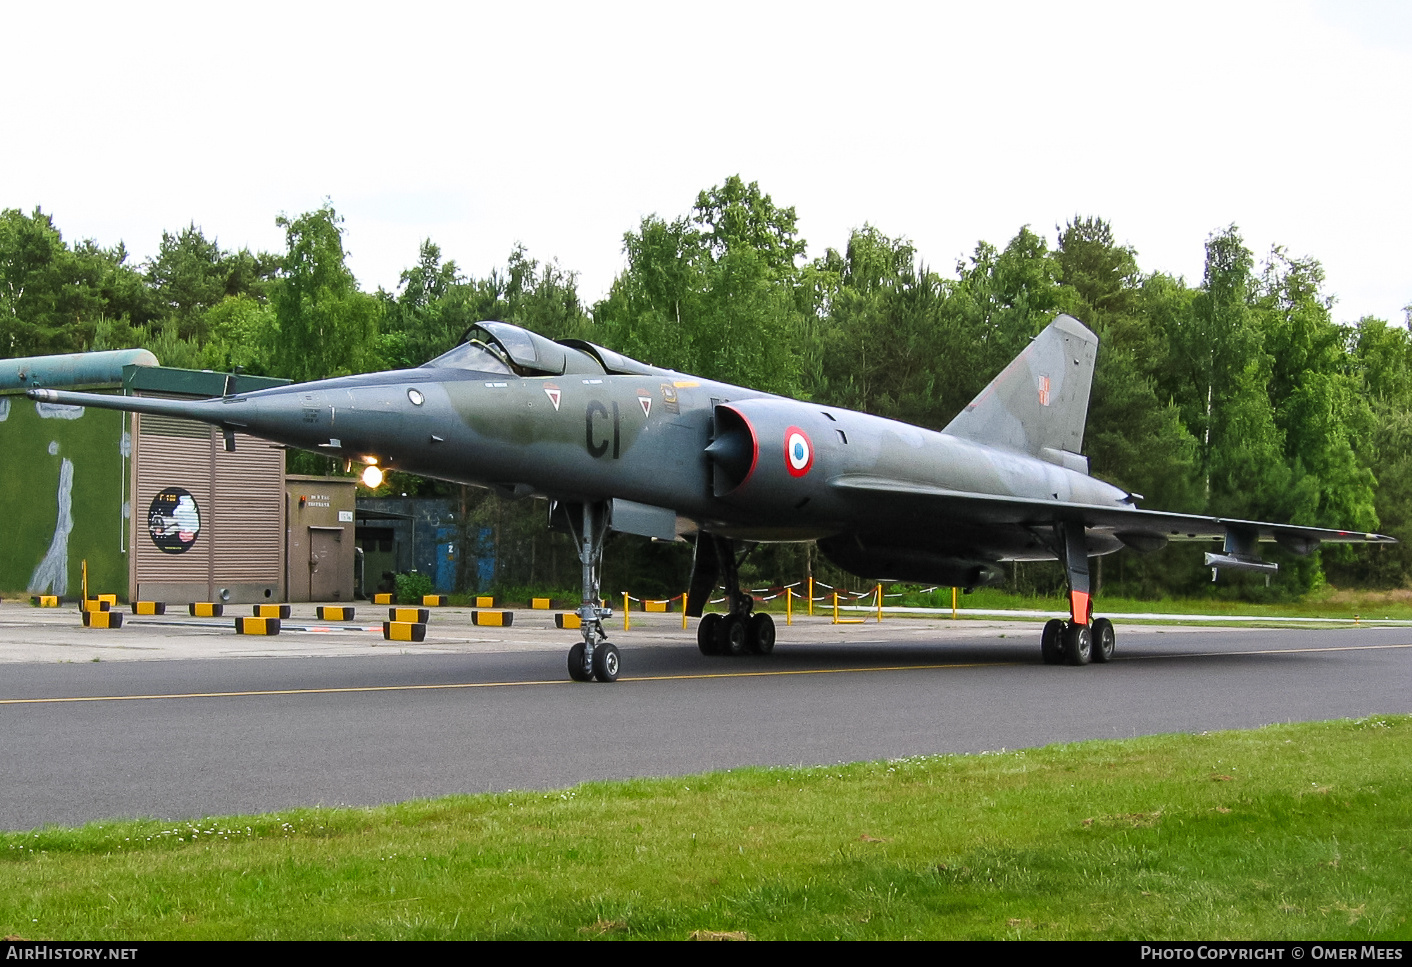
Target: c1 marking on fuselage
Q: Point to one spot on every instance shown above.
(597, 449)
(1044, 391)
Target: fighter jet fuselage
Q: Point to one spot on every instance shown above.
(615, 444)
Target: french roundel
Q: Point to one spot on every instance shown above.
(798, 452)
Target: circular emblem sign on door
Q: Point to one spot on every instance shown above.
(174, 520)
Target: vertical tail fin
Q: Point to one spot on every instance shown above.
(1039, 403)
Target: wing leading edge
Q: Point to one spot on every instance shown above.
(1140, 529)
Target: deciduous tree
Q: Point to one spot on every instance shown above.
(326, 326)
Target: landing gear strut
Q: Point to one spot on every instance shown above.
(594, 657)
(1082, 638)
(739, 630)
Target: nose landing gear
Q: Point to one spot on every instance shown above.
(594, 658)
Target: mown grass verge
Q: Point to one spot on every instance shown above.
(1291, 831)
(1326, 603)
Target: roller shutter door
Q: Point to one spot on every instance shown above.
(239, 501)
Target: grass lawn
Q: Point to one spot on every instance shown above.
(1291, 831)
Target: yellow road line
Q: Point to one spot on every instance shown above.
(659, 678)
(451, 685)
(822, 671)
(1263, 651)
(272, 691)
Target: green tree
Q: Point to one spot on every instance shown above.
(1006, 297)
(1314, 390)
(1381, 356)
(721, 292)
(51, 297)
(420, 321)
(735, 217)
(187, 278)
(191, 275)
(326, 326)
(652, 309)
(1219, 372)
(240, 332)
(1102, 273)
(1135, 439)
(893, 346)
(539, 296)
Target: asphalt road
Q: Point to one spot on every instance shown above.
(179, 720)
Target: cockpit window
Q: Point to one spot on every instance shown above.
(518, 344)
(475, 356)
(498, 347)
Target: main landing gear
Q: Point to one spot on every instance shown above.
(1082, 638)
(736, 634)
(594, 657)
(739, 630)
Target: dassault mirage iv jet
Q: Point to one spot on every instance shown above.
(617, 445)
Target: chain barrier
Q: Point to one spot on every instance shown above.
(838, 597)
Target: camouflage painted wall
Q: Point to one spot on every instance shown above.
(63, 489)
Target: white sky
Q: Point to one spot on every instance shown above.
(560, 125)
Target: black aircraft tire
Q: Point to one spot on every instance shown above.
(1051, 642)
(1104, 640)
(576, 670)
(1078, 644)
(732, 634)
(605, 663)
(762, 634)
(706, 634)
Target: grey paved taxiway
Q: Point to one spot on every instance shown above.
(178, 719)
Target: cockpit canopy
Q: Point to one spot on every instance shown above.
(500, 348)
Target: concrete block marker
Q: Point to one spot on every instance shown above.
(416, 615)
(493, 619)
(149, 607)
(334, 613)
(270, 611)
(539, 604)
(567, 620)
(45, 600)
(256, 626)
(94, 604)
(659, 607)
(207, 609)
(382, 598)
(103, 619)
(404, 630)
(434, 600)
(485, 601)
